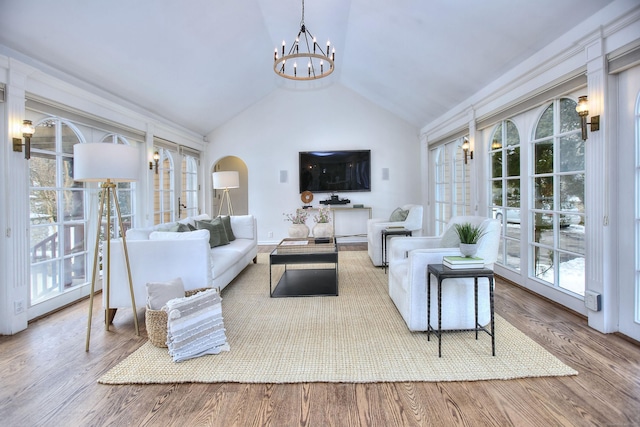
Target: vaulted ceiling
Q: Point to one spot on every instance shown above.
(198, 63)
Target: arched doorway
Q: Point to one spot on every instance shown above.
(239, 196)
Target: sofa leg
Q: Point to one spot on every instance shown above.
(255, 259)
(109, 315)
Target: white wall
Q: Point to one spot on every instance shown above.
(269, 135)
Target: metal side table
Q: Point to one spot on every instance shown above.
(385, 234)
(441, 273)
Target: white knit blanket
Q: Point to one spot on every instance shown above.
(195, 326)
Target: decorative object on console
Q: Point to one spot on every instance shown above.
(469, 235)
(108, 164)
(226, 180)
(316, 68)
(323, 227)
(334, 200)
(306, 197)
(298, 228)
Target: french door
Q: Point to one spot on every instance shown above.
(629, 202)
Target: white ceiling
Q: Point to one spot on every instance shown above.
(198, 63)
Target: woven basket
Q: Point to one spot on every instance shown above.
(156, 322)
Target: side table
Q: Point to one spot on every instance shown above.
(441, 273)
(385, 234)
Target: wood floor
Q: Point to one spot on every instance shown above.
(47, 379)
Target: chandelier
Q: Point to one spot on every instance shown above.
(318, 63)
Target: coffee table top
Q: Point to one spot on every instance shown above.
(290, 246)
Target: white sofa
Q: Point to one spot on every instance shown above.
(156, 255)
(375, 226)
(408, 261)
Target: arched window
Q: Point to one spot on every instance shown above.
(557, 183)
(504, 154)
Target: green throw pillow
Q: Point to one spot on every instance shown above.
(226, 221)
(217, 235)
(398, 215)
(184, 228)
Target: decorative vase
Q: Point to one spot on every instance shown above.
(322, 229)
(298, 231)
(468, 249)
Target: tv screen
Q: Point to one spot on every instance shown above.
(335, 171)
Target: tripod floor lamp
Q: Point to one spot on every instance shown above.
(226, 180)
(108, 164)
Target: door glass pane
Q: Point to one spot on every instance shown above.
(571, 273)
(45, 281)
(543, 264)
(69, 139)
(543, 192)
(44, 206)
(44, 242)
(569, 118)
(571, 153)
(73, 203)
(544, 127)
(543, 157)
(42, 170)
(513, 254)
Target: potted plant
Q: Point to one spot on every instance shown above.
(323, 227)
(298, 228)
(469, 235)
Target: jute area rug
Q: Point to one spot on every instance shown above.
(356, 337)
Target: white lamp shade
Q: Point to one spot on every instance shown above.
(226, 179)
(100, 162)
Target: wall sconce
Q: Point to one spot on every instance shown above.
(156, 159)
(27, 133)
(467, 152)
(583, 111)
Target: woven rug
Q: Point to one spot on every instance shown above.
(356, 337)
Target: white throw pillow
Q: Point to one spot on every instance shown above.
(160, 293)
(195, 326)
(187, 235)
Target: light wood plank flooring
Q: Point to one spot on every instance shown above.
(47, 379)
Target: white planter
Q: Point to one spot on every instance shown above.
(468, 249)
(298, 231)
(322, 229)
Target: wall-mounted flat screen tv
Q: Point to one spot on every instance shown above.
(335, 171)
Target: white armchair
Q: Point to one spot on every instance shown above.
(375, 226)
(408, 260)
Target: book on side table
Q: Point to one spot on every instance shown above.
(461, 262)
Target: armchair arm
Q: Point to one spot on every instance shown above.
(399, 247)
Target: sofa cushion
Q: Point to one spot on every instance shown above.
(159, 293)
(172, 235)
(217, 235)
(398, 215)
(226, 221)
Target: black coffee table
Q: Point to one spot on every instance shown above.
(317, 268)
